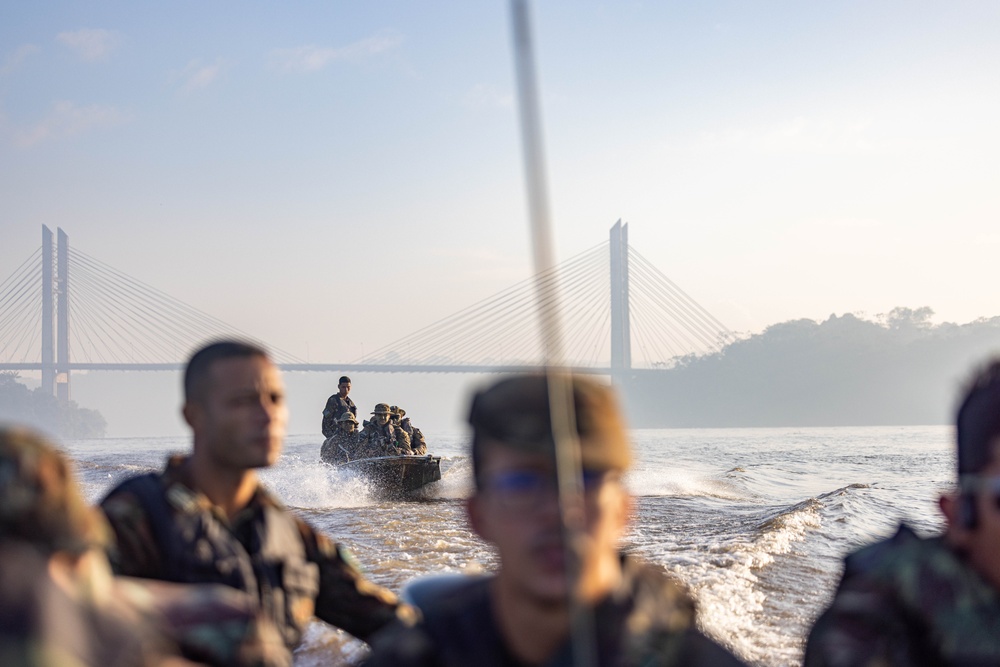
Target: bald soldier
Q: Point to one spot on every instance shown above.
(521, 615)
(207, 519)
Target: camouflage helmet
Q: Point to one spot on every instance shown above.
(347, 417)
(382, 409)
(40, 501)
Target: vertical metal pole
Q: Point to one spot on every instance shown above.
(626, 313)
(617, 332)
(561, 405)
(62, 318)
(48, 344)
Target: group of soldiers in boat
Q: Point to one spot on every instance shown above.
(388, 433)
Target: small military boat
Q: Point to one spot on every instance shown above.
(397, 476)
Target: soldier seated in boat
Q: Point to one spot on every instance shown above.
(345, 444)
(382, 437)
(523, 614)
(207, 518)
(417, 442)
(60, 604)
(913, 600)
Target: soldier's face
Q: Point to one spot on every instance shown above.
(344, 388)
(240, 422)
(347, 427)
(381, 418)
(517, 510)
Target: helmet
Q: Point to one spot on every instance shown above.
(382, 409)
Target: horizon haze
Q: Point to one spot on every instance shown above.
(329, 178)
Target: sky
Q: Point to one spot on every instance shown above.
(330, 176)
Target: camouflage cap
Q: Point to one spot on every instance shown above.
(515, 411)
(40, 501)
(382, 409)
(347, 417)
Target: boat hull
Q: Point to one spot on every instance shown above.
(397, 475)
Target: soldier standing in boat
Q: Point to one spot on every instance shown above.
(337, 405)
(345, 443)
(382, 437)
(417, 442)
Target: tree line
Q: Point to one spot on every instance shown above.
(897, 368)
(21, 405)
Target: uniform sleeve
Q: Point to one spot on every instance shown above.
(133, 551)
(865, 627)
(329, 426)
(346, 598)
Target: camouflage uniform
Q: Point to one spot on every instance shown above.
(335, 407)
(417, 442)
(386, 439)
(167, 531)
(908, 601)
(342, 446)
(88, 617)
(649, 620)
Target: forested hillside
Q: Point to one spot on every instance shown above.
(24, 406)
(894, 369)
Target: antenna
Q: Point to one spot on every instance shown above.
(561, 406)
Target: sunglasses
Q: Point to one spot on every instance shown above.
(527, 489)
(979, 484)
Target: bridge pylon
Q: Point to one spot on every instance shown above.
(48, 342)
(62, 317)
(621, 333)
(55, 309)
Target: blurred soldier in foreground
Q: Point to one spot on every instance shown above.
(207, 519)
(929, 601)
(417, 442)
(60, 604)
(337, 405)
(522, 614)
(382, 437)
(345, 443)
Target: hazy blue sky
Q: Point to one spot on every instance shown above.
(329, 176)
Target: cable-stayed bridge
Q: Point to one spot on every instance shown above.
(63, 310)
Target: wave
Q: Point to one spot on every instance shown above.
(681, 483)
(738, 585)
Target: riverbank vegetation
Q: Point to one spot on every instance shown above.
(897, 368)
(21, 405)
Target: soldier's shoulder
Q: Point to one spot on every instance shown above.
(906, 562)
(455, 620)
(129, 497)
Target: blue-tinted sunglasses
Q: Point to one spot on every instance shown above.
(525, 489)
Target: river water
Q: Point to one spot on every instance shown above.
(754, 521)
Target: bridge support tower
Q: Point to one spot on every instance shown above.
(62, 318)
(621, 334)
(55, 310)
(48, 342)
